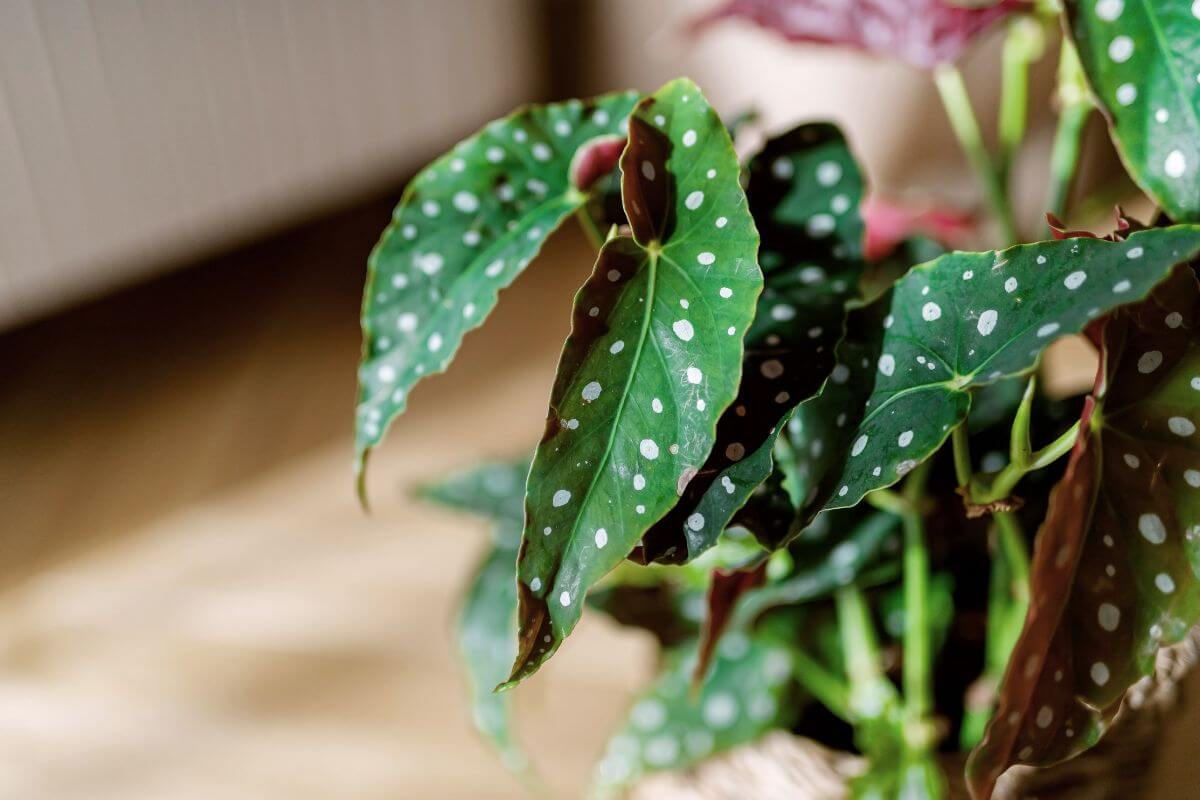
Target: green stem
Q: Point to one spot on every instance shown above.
(860, 651)
(589, 227)
(1075, 109)
(918, 646)
(957, 103)
(829, 690)
(1023, 45)
(1002, 485)
(1010, 546)
(962, 456)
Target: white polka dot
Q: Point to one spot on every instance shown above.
(1120, 287)
(695, 521)
(694, 200)
(561, 498)
(1164, 582)
(657, 405)
(648, 170)
(1149, 361)
(905, 439)
(564, 599)
(1075, 279)
(1120, 49)
(1126, 94)
(987, 322)
(562, 127)
(535, 584)
(782, 169)
(726, 292)
(706, 258)
(429, 263)
(840, 374)
(1151, 526)
(887, 364)
(712, 173)
(683, 329)
(720, 710)
(431, 208)
(495, 268)
(591, 391)
(1181, 426)
(1099, 673)
(466, 202)
(616, 347)
(386, 373)
(495, 155)
(1044, 717)
(689, 138)
(435, 342)
(820, 225)
(829, 173)
(571, 424)
(1132, 461)
(783, 313)
(1175, 165)
(860, 444)
(1048, 329)
(1162, 115)
(1108, 10)
(1109, 616)
(694, 375)
(1010, 285)
(407, 322)
(721, 222)
(648, 449)
(931, 311)
(1192, 476)
(840, 204)
(639, 482)
(541, 152)
(601, 538)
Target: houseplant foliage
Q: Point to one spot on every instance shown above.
(815, 474)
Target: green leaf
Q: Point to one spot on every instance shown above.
(804, 192)
(485, 643)
(1142, 59)
(746, 694)
(836, 550)
(466, 226)
(653, 359)
(1115, 570)
(495, 491)
(911, 359)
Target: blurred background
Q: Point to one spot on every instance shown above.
(191, 603)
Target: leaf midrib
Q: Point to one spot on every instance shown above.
(602, 462)
(1161, 40)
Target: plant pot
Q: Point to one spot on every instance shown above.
(781, 766)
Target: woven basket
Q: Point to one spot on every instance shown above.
(784, 767)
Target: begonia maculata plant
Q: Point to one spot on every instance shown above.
(800, 440)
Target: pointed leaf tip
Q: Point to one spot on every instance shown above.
(652, 360)
(1113, 577)
(466, 226)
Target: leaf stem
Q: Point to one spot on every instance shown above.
(1075, 108)
(1023, 45)
(1002, 485)
(870, 690)
(589, 227)
(962, 455)
(829, 690)
(957, 102)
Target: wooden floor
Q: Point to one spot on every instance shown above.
(192, 604)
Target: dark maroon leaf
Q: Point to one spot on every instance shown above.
(1115, 570)
(728, 585)
(924, 33)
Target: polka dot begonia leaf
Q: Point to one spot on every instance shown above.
(493, 490)
(747, 693)
(485, 643)
(1115, 570)
(466, 226)
(923, 33)
(804, 193)
(911, 358)
(653, 359)
(1142, 58)
(489, 610)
